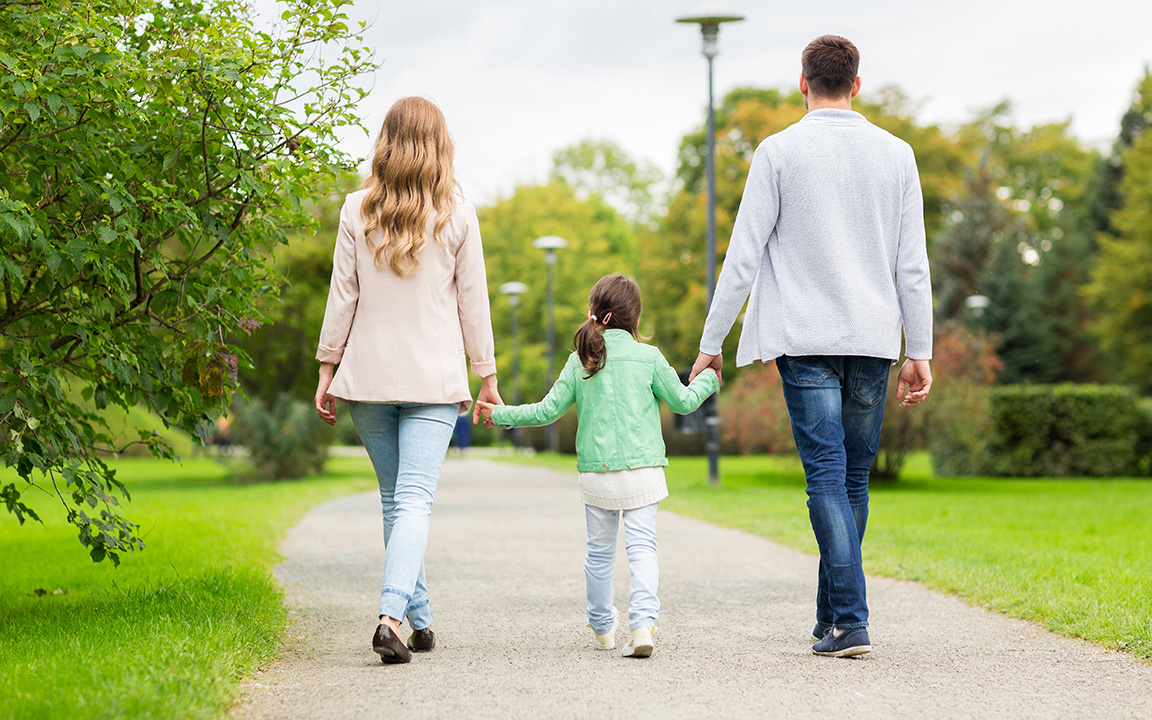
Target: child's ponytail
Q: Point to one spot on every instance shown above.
(614, 303)
(589, 343)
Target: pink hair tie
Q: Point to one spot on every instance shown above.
(591, 317)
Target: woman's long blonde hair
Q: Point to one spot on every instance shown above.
(411, 179)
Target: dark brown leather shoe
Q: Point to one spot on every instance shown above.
(422, 640)
(388, 646)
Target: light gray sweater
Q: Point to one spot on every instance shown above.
(830, 241)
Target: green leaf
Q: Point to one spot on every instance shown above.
(54, 101)
(106, 234)
(32, 110)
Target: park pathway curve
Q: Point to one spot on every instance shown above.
(505, 569)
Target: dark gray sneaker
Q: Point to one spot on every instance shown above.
(820, 630)
(851, 643)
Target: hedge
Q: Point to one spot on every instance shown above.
(1052, 431)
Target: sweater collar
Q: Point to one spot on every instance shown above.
(835, 115)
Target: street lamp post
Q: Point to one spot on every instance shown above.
(710, 30)
(550, 244)
(514, 290)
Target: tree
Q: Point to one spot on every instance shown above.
(603, 168)
(154, 152)
(600, 242)
(1018, 235)
(282, 351)
(1121, 287)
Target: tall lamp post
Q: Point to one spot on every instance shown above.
(550, 244)
(710, 30)
(514, 290)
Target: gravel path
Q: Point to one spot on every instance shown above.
(505, 569)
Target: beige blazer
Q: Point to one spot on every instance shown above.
(403, 339)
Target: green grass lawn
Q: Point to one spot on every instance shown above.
(171, 631)
(1071, 554)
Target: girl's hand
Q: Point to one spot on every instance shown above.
(484, 409)
(488, 395)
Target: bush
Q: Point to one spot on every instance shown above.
(753, 415)
(1062, 430)
(964, 366)
(1144, 436)
(902, 432)
(285, 441)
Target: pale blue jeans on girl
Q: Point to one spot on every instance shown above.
(640, 540)
(407, 443)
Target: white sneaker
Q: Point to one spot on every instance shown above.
(640, 646)
(607, 641)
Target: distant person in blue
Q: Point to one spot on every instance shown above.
(829, 241)
(462, 435)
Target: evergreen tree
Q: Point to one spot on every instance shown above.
(1121, 287)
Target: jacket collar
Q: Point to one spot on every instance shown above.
(617, 333)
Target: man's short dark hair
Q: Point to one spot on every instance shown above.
(829, 64)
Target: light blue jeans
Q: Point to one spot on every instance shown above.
(640, 539)
(407, 443)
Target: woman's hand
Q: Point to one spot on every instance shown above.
(489, 396)
(325, 403)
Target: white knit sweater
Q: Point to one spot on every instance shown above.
(830, 241)
(623, 489)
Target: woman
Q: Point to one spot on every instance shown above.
(408, 296)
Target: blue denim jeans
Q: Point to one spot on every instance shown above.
(640, 540)
(407, 443)
(836, 405)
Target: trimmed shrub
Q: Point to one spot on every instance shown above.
(285, 440)
(1064, 430)
(1144, 436)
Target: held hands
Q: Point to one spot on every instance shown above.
(325, 403)
(704, 361)
(488, 396)
(485, 410)
(915, 379)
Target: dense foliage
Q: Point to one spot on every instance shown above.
(154, 152)
(1064, 430)
(283, 438)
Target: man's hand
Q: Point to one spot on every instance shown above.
(703, 360)
(325, 403)
(915, 379)
(488, 396)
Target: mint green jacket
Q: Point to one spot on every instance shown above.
(619, 415)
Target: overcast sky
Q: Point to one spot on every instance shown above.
(518, 79)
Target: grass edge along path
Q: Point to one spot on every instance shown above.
(1071, 554)
(173, 630)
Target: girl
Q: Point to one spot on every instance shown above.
(615, 382)
(408, 297)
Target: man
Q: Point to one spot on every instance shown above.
(829, 239)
